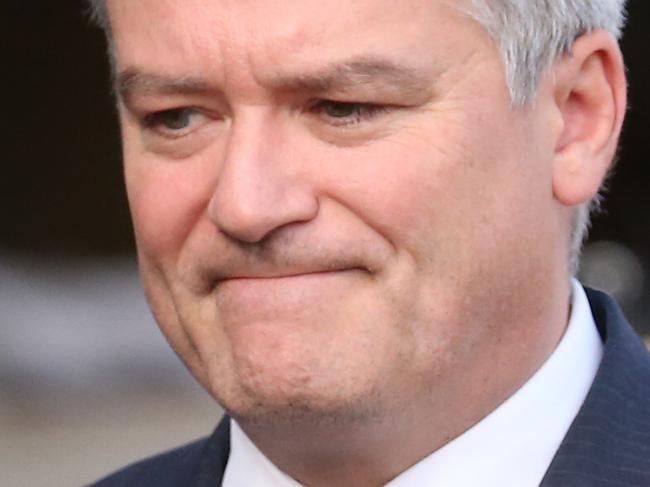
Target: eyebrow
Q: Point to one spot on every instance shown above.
(374, 72)
(371, 72)
(133, 81)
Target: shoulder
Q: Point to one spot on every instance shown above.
(171, 468)
(196, 464)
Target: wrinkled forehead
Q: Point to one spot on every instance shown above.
(278, 31)
(269, 14)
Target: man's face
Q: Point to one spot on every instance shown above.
(336, 209)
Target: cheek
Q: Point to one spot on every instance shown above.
(166, 200)
(401, 189)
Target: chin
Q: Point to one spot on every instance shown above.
(296, 410)
(274, 394)
(266, 408)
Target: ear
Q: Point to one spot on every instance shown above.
(591, 94)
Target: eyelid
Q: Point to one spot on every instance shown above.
(366, 111)
(152, 122)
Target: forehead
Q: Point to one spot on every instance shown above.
(268, 16)
(272, 32)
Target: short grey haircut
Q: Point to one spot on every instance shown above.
(531, 35)
(99, 15)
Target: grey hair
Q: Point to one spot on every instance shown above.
(99, 14)
(531, 35)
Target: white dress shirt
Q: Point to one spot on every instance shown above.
(512, 446)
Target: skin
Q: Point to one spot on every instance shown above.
(357, 282)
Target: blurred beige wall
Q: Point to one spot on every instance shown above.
(87, 383)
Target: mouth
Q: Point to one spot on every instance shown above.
(291, 275)
(293, 283)
(285, 294)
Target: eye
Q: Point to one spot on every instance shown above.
(337, 109)
(175, 122)
(347, 113)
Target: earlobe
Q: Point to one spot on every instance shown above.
(590, 93)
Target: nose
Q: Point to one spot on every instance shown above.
(261, 186)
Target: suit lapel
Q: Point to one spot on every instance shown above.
(608, 443)
(214, 457)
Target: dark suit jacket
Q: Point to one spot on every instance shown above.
(608, 443)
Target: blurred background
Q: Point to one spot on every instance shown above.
(87, 383)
